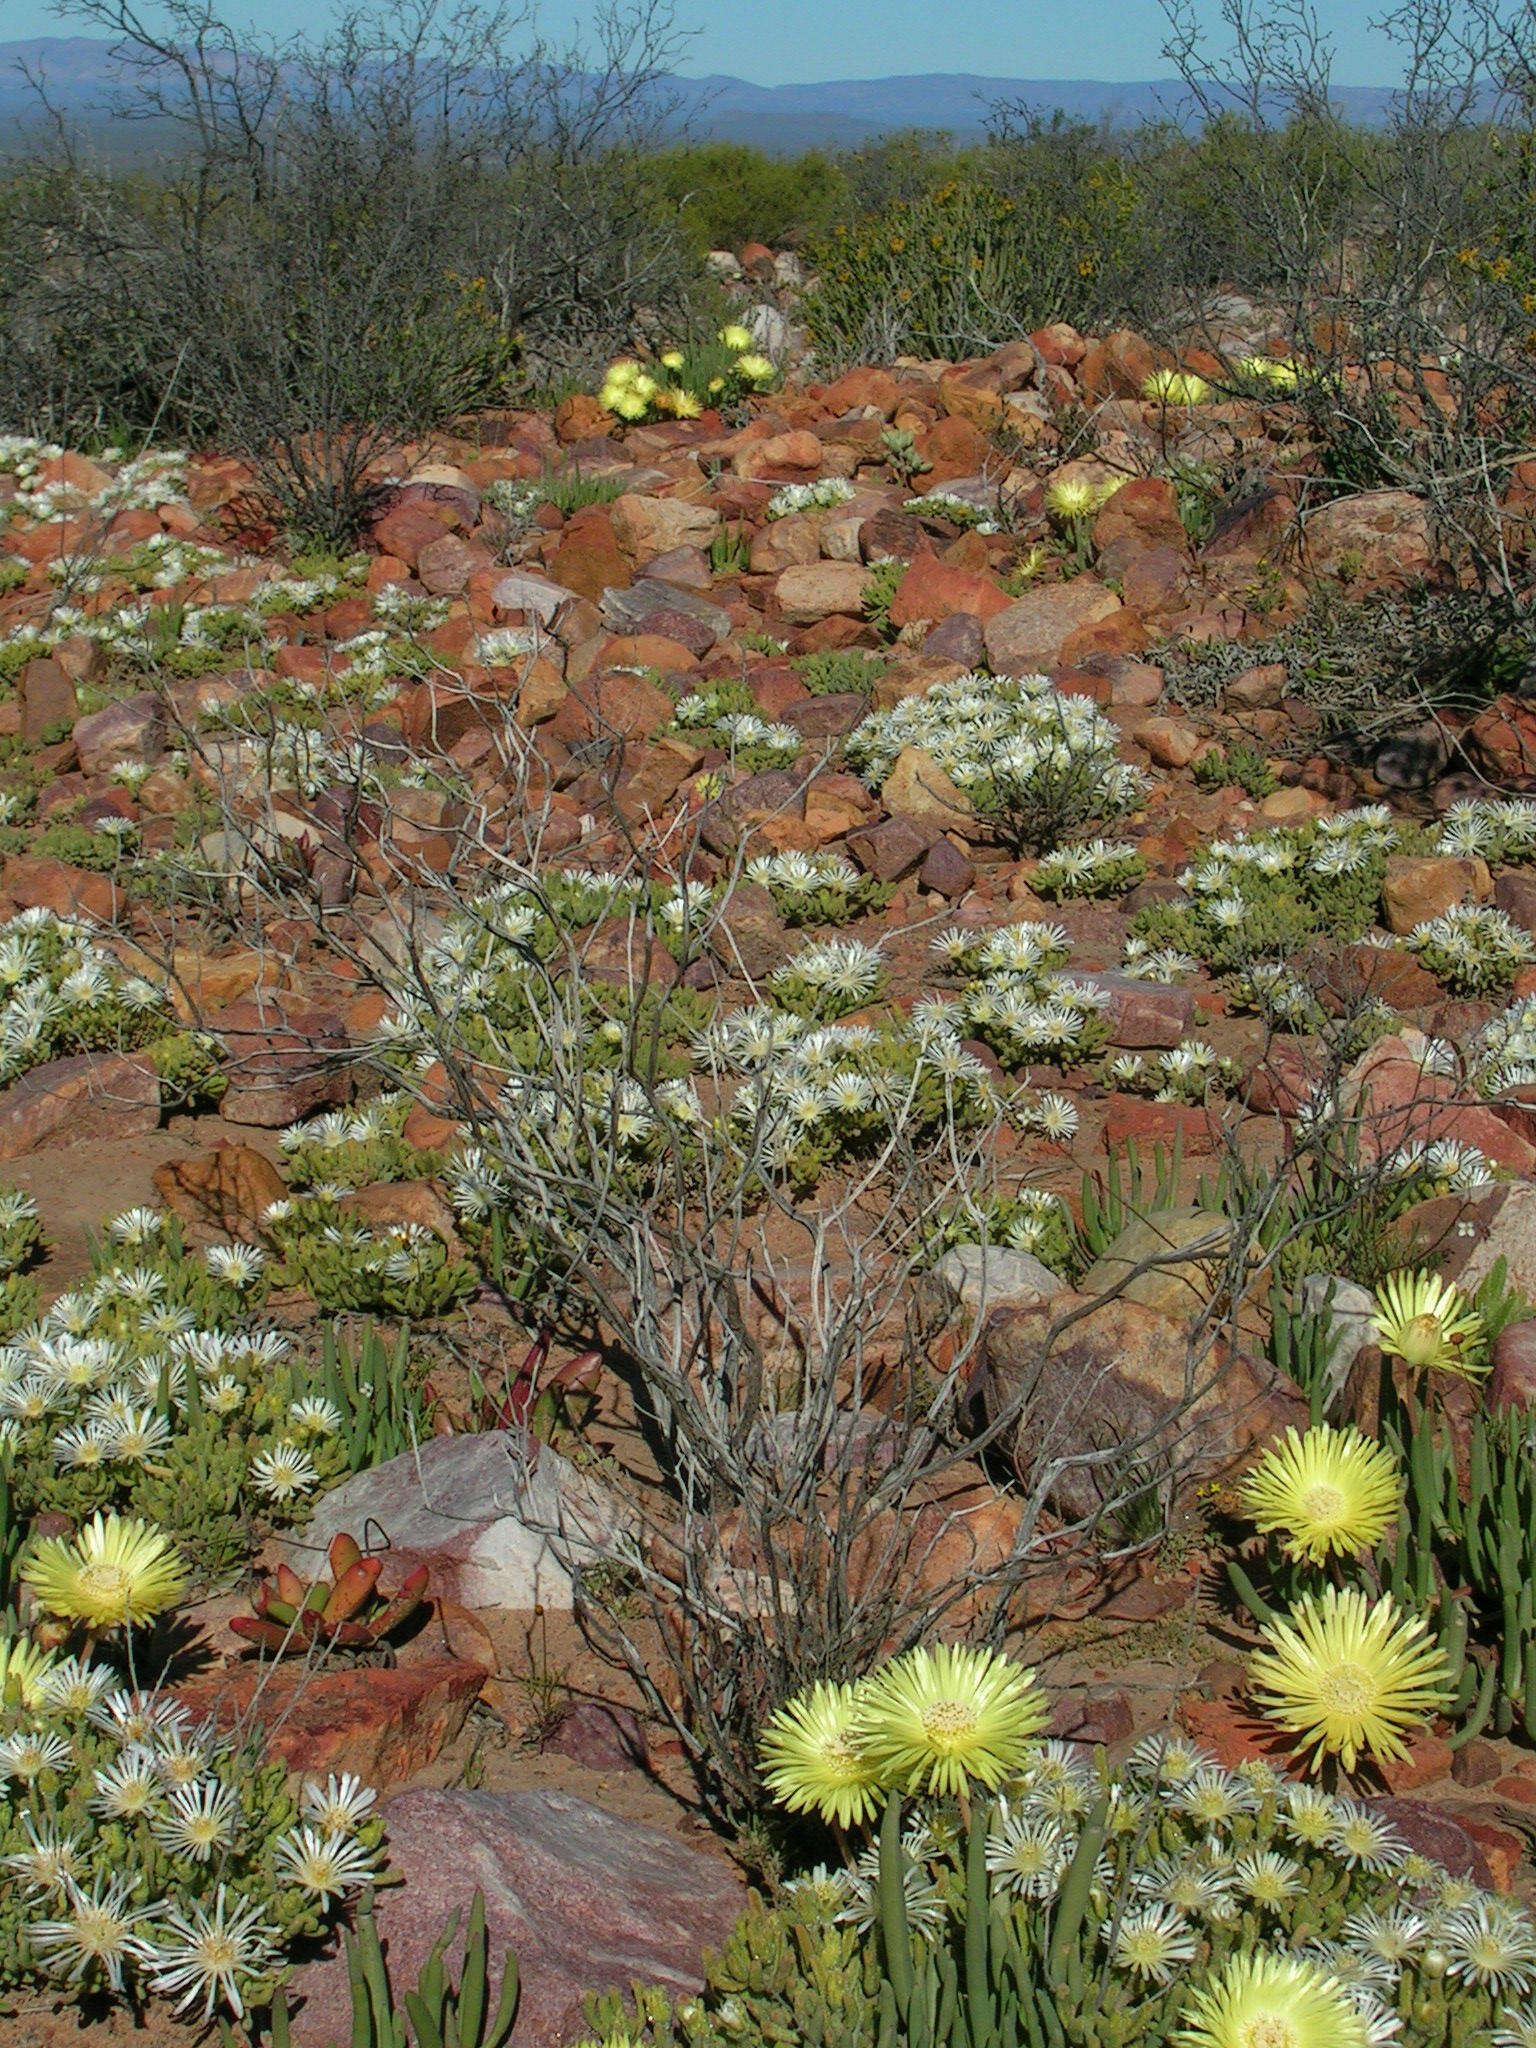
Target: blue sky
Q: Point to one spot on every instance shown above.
(778, 41)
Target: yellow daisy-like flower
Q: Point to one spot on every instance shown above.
(1430, 1325)
(1262, 2000)
(1072, 497)
(1271, 370)
(23, 1667)
(1176, 387)
(629, 405)
(623, 370)
(812, 1760)
(736, 338)
(672, 359)
(685, 406)
(937, 1719)
(1348, 1678)
(756, 369)
(1329, 1492)
(118, 1570)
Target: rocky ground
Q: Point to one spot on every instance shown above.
(170, 673)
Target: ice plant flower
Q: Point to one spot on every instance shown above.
(812, 1760)
(24, 1670)
(1430, 1325)
(1262, 2000)
(206, 1954)
(116, 1571)
(938, 1719)
(1348, 1678)
(1176, 387)
(1329, 1492)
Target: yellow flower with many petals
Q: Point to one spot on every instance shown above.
(117, 1571)
(935, 1720)
(1348, 1678)
(812, 1760)
(1330, 1492)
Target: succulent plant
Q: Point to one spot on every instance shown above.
(350, 1612)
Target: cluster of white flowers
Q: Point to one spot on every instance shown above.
(1016, 998)
(820, 496)
(505, 646)
(813, 888)
(1143, 961)
(412, 613)
(1497, 828)
(1007, 743)
(110, 1375)
(737, 732)
(1101, 867)
(1472, 947)
(146, 1848)
(1183, 1073)
(1200, 1863)
(959, 510)
(59, 990)
(835, 975)
(1502, 1056)
(158, 477)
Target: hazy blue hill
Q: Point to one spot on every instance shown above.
(79, 72)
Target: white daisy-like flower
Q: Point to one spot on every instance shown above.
(1490, 1944)
(97, 1929)
(237, 1265)
(324, 1865)
(129, 1787)
(50, 1857)
(1153, 1942)
(208, 1955)
(284, 1473)
(339, 1806)
(28, 1752)
(198, 1819)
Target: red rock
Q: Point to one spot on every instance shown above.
(586, 1901)
(224, 1193)
(1143, 1014)
(1028, 634)
(590, 562)
(1232, 1732)
(1145, 510)
(891, 850)
(284, 1060)
(446, 565)
(35, 881)
(890, 535)
(1502, 742)
(932, 590)
(87, 1099)
(1116, 367)
(385, 1724)
(814, 590)
(946, 870)
(599, 1737)
(857, 389)
(647, 650)
(829, 717)
(408, 527)
(47, 699)
(1380, 537)
(798, 452)
(131, 729)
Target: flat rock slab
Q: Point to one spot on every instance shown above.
(87, 1098)
(629, 611)
(586, 1901)
(385, 1724)
(494, 1533)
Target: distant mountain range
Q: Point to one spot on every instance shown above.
(781, 118)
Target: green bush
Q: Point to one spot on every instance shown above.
(723, 194)
(959, 271)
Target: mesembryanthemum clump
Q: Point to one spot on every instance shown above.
(1015, 998)
(154, 1392)
(148, 1855)
(817, 888)
(819, 496)
(1166, 1902)
(61, 992)
(1473, 948)
(1041, 764)
(1101, 867)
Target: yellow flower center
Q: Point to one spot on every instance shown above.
(948, 1722)
(1268, 2030)
(1345, 1689)
(1324, 1504)
(106, 1586)
(1422, 1341)
(97, 1931)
